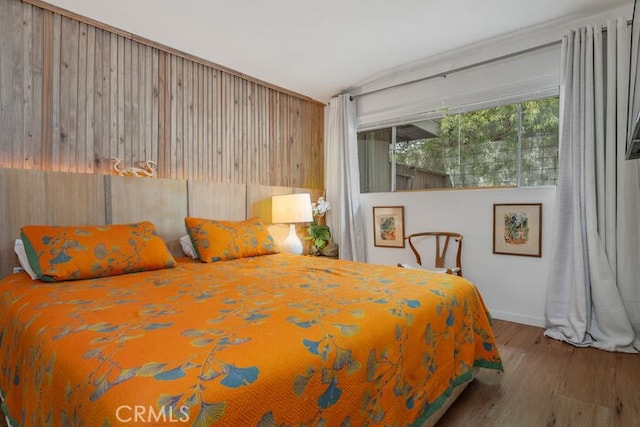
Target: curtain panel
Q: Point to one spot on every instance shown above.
(342, 178)
(593, 296)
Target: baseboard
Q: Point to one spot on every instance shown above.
(517, 318)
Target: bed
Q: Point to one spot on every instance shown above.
(264, 340)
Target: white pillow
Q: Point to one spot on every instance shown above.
(18, 247)
(187, 247)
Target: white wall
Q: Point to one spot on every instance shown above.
(513, 287)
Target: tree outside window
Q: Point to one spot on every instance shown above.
(509, 145)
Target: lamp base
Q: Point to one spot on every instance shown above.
(292, 244)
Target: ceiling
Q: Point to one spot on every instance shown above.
(320, 48)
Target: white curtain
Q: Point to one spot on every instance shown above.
(593, 296)
(342, 178)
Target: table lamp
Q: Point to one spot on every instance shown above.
(291, 209)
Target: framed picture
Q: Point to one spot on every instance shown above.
(517, 229)
(388, 226)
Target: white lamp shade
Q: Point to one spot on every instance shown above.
(291, 208)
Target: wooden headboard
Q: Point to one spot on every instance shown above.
(59, 198)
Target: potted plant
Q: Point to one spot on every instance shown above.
(320, 236)
(319, 232)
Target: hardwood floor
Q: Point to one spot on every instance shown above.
(550, 383)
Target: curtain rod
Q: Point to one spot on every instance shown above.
(444, 74)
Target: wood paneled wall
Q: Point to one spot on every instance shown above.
(74, 93)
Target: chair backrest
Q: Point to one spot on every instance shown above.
(442, 239)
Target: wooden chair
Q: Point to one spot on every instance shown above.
(442, 239)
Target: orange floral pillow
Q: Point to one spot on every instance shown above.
(80, 252)
(224, 240)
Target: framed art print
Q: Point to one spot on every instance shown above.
(388, 226)
(517, 229)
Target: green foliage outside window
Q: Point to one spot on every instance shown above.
(485, 148)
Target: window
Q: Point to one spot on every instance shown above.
(509, 145)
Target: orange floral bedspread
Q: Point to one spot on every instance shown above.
(272, 340)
